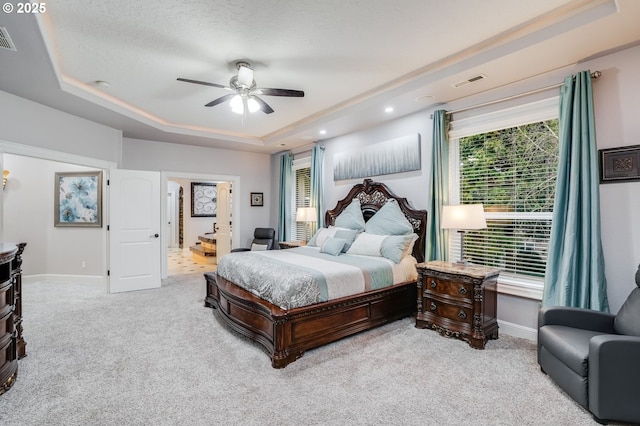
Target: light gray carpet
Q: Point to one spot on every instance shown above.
(159, 357)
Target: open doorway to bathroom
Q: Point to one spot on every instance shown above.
(192, 220)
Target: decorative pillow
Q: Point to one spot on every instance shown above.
(333, 246)
(258, 247)
(348, 235)
(389, 220)
(351, 217)
(395, 247)
(367, 244)
(321, 235)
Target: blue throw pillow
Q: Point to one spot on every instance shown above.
(389, 220)
(351, 217)
(332, 246)
(348, 235)
(395, 247)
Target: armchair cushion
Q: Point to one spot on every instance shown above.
(569, 345)
(628, 319)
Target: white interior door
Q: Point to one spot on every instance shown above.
(171, 219)
(223, 217)
(134, 230)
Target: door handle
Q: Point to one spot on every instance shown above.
(154, 236)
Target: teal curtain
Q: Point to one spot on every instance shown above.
(286, 179)
(437, 241)
(317, 192)
(575, 265)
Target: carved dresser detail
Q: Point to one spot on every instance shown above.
(458, 300)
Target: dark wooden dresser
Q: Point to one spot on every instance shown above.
(12, 345)
(458, 301)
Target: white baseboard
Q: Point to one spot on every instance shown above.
(87, 279)
(517, 330)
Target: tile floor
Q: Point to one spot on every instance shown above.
(180, 261)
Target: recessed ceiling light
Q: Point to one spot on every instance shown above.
(388, 109)
(102, 83)
(323, 132)
(283, 144)
(424, 98)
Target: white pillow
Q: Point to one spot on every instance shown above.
(367, 244)
(322, 234)
(258, 247)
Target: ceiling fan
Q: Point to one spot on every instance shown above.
(245, 93)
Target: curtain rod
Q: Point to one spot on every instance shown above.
(594, 75)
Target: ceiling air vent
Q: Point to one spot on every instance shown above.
(5, 40)
(470, 80)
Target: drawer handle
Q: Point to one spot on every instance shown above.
(462, 315)
(433, 306)
(462, 290)
(433, 284)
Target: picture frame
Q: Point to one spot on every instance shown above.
(78, 199)
(620, 164)
(257, 199)
(204, 199)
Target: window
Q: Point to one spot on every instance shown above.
(301, 195)
(512, 172)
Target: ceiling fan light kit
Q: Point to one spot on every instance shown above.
(244, 97)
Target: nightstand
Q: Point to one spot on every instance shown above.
(458, 300)
(291, 244)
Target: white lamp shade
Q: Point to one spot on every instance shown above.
(463, 216)
(306, 214)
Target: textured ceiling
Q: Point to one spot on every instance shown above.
(352, 58)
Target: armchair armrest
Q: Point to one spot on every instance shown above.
(585, 319)
(614, 374)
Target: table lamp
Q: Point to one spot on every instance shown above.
(308, 215)
(463, 218)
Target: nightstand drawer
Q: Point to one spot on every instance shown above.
(455, 289)
(453, 312)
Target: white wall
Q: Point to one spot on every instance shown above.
(26, 206)
(617, 108)
(616, 97)
(253, 169)
(412, 185)
(29, 123)
(29, 217)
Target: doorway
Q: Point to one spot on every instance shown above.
(184, 228)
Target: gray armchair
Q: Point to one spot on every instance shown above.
(263, 239)
(595, 357)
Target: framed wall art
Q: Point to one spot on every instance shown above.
(78, 199)
(619, 164)
(203, 199)
(393, 156)
(257, 199)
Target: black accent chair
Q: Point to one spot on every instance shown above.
(595, 357)
(261, 237)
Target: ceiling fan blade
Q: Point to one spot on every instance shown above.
(245, 76)
(220, 100)
(281, 92)
(204, 83)
(264, 107)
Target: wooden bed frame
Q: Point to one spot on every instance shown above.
(287, 334)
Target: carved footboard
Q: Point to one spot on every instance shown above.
(287, 334)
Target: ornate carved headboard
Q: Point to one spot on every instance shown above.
(372, 196)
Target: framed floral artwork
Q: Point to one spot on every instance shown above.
(78, 199)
